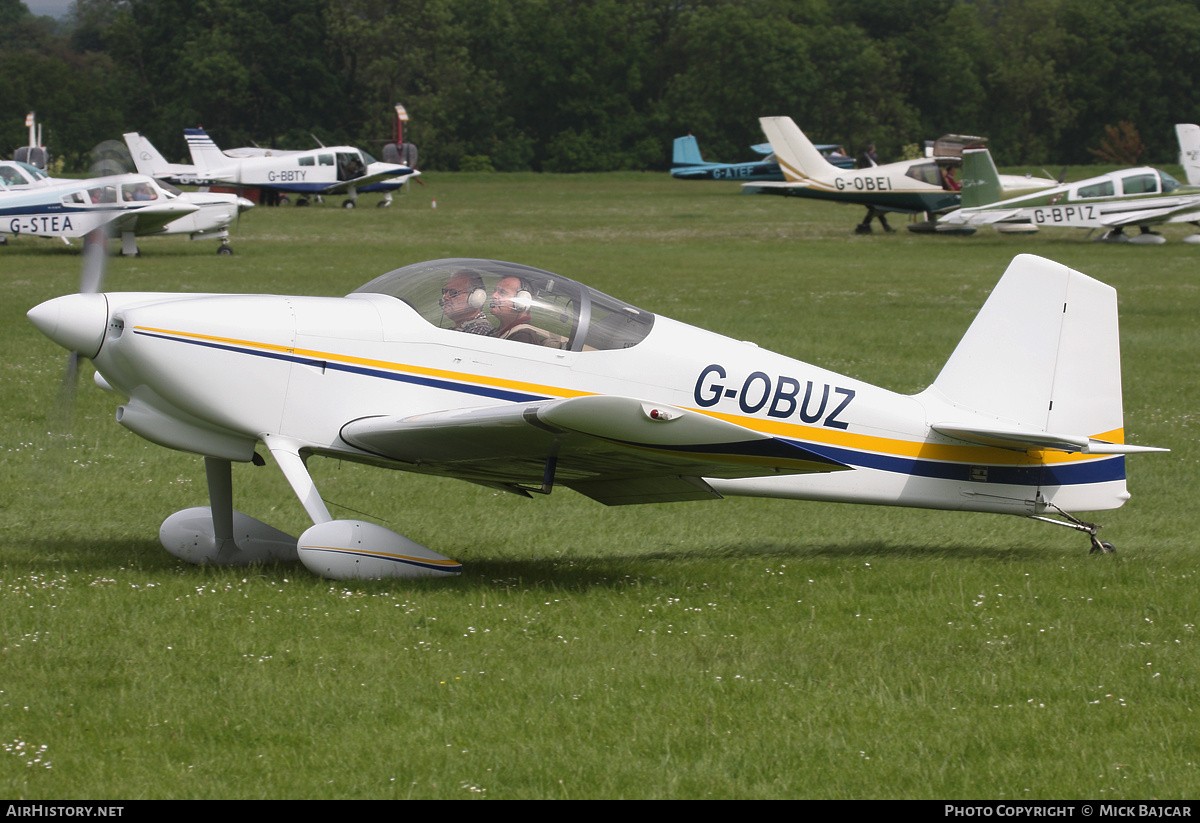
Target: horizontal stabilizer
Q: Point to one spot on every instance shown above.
(1025, 440)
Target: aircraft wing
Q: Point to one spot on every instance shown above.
(152, 218)
(617, 450)
(980, 218)
(1184, 212)
(365, 180)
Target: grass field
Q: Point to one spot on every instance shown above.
(742, 648)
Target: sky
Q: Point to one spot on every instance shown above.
(51, 8)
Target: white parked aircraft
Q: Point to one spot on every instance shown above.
(33, 203)
(910, 186)
(327, 170)
(1140, 197)
(523, 380)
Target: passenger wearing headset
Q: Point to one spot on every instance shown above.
(462, 301)
(510, 303)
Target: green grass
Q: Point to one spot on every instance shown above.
(744, 648)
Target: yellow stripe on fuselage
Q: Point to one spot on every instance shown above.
(916, 449)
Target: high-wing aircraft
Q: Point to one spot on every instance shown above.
(522, 380)
(688, 164)
(326, 170)
(1141, 197)
(126, 205)
(910, 186)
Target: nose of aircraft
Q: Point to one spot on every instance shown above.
(244, 204)
(76, 322)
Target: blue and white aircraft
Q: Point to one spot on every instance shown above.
(43, 209)
(688, 164)
(310, 173)
(522, 380)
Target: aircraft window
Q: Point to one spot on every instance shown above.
(326, 160)
(33, 171)
(138, 192)
(926, 173)
(310, 161)
(1102, 189)
(102, 194)
(1169, 183)
(11, 177)
(1140, 184)
(514, 302)
(368, 159)
(75, 198)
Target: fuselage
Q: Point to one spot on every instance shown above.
(73, 208)
(215, 374)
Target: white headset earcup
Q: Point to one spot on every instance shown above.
(477, 299)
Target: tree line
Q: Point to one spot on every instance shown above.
(598, 85)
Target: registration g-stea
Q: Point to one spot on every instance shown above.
(523, 380)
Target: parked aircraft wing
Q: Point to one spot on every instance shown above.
(152, 218)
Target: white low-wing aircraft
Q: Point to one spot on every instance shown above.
(522, 380)
(129, 205)
(1139, 197)
(327, 170)
(910, 186)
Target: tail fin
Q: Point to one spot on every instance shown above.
(797, 156)
(1189, 151)
(980, 180)
(205, 153)
(686, 153)
(1043, 353)
(1039, 370)
(146, 158)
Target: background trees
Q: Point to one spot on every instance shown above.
(582, 85)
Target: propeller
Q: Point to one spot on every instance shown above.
(111, 157)
(91, 281)
(1062, 175)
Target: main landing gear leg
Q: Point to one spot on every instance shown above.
(216, 534)
(1098, 546)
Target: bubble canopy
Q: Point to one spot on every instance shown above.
(514, 302)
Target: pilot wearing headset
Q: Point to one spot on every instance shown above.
(462, 301)
(511, 302)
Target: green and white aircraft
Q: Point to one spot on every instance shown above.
(1142, 197)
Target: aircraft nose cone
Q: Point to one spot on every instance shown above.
(76, 322)
(244, 204)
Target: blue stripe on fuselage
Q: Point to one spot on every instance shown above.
(1098, 470)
